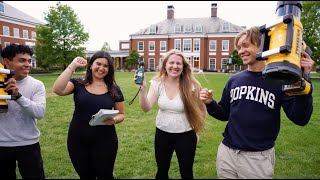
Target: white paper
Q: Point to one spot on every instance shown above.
(99, 117)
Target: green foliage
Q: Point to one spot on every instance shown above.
(106, 47)
(59, 41)
(236, 58)
(132, 59)
(310, 18)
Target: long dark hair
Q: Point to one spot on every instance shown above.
(108, 79)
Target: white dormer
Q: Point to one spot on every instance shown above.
(1, 7)
(198, 28)
(178, 28)
(226, 27)
(188, 28)
(153, 29)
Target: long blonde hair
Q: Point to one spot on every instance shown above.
(189, 91)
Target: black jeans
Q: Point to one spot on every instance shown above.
(184, 144)
(29, 160)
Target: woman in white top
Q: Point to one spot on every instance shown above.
(181, 113)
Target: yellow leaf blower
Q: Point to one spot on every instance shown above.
(5, 74)
(282, 46)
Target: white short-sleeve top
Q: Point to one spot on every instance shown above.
(171, 116)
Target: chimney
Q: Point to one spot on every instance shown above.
(214, 10)
(170, 12)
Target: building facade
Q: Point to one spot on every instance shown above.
(17, 27)
(206, 42)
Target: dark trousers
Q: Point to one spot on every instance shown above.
(29, 162)
(95, 159)
(184, 144)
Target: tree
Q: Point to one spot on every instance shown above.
(132, 59)
(236, 58)
(59, 41)
(310, 18)
(106, 47)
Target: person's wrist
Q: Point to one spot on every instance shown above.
(71, 68)
(18, 96)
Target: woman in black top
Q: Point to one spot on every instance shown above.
(92, 149)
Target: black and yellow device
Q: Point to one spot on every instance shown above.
(282, 46)
(5, 74)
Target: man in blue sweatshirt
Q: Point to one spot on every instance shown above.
(19, 135)
(252, 105)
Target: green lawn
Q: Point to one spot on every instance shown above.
(297, 148)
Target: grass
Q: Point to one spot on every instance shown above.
(297, 148)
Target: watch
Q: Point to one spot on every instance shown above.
(19, 96)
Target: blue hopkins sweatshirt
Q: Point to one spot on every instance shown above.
(252, 105)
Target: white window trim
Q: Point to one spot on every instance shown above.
(6, 27)
(165, 46)
(184, 40)
(154, 46)
(195, 43)
(188, 28)
(228, 27)
(139, 50)
(215, 63)
(23, 33)
(198, 26)
(153, 29)
(222, 61)
(215, 45)
(222, 45)
(175, 28)
(154, 63)
(179, 43)
(14, 32)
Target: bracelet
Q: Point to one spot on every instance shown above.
(71, 69)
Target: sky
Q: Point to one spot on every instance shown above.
(112, 21)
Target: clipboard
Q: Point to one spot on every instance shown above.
(101, 115)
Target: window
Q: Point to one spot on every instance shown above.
(225, 45)
(163, 45)
(153, 29)
(213, 45)
(188, 28)
(151, 64)
(187, 45)
(6, 31)
(25, 34)
(33, 35)
(212, 63)
(177, 44)
(224, 63)
(196, 62)
(198, 28)
(226, 27)
(16, 32)
(140, 46)
(196, 45)
(6, 44)
(151, 45)
(188, 59)
(1, 7)
(178, 28)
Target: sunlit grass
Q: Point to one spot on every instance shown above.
(297, 148)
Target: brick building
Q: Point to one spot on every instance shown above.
(17, 27)
(206, 42)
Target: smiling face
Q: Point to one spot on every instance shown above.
(21, 64)
(174, 65)
(100, 68)
(247, 51)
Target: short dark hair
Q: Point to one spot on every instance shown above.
(12, 50)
